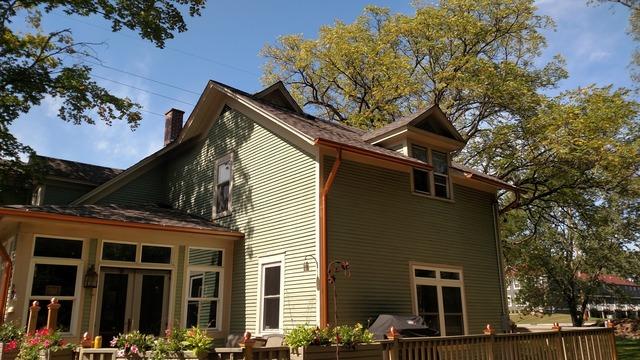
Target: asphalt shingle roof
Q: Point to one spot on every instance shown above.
(141, 214)
(74, 170)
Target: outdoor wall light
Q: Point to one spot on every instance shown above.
(91, 278)
(305, 266)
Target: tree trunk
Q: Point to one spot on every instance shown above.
(576, 315)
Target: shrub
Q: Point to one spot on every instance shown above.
(133, 345)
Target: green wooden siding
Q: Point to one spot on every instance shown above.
(57, 193)
(148, 188)
(379, 226)
(273, 197)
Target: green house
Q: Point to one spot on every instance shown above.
(233, 224)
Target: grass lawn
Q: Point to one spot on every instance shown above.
(544, 319)
(628, 349)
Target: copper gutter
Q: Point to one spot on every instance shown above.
(324, 284)
(356, 150)
(95, 221)
(7, 268)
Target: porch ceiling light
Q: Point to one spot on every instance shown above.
(91, 278)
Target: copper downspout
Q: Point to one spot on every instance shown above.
(7, 268)
(324, 293)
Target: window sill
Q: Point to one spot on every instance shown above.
(429, 196)
(222, 215)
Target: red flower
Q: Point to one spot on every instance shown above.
(11, 345)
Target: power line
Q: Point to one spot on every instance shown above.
(151, 112)
(177, 50)
(141, 77)
(143, 90)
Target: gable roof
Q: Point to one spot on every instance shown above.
(433, 119)
(145, 216)
(309, 129)
(278, 94)
(77, 171)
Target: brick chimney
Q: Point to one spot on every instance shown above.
(172, 125)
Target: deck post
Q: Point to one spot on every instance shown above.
(52, 316)
(559, 342)
(491, 332)
(33, 317)
(247, 343)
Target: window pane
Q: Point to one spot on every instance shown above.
(428, 305)
(222, 198)
(156, 254)
(271, 313)
(419, 153)
(440, 164)
(454, 325)
(54, 280)
(452, 299)
(64, 314)
(452, 302)
(211, 284)
(421, 181)
(224, 172)
(425, 273)
(205, 257)
(440, 185)
(204, 284)
(272, 280)
(196, 285)
(61, 248)
(118, 252)
(450, 275)
(202, 314)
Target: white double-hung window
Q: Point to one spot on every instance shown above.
(433, 183)
(270, 309)
(439, 298)
(204, 288)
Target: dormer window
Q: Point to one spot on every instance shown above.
(432, 183)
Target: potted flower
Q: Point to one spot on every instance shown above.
(133, 345)
(191, 343)
(10, 337)
(44, 344)
(347, 342)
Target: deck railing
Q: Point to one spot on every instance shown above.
(267, 353)
(583, 344)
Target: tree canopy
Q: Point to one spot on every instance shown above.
(575, 155)
(35, 64)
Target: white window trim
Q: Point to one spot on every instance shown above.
(439, 283)
(228, 157)
(430, 173)
(187, 286)
(262, 263)
(44, 300)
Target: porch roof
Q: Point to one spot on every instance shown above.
(138, 216)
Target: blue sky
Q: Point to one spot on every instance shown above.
(224, 43)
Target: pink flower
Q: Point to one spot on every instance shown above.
(11, 345)
(114, 342)
(134, 349)
(46, 343)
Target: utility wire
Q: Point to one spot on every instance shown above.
(141, 77)
(143, 90)
(177, 50)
